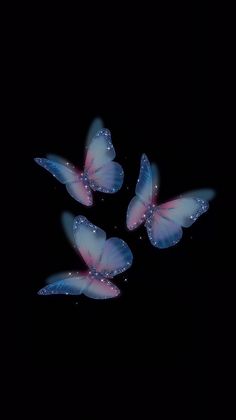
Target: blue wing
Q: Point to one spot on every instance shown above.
(165, 226)
(77, 284)
(108, 179)
(146, 185)
(116, 258)
(67, 174)
(146, 190)
(63, 172)
(90, 240)
(104, 175)
(70, 285)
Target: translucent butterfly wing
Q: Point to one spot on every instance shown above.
(165, 226)
(90, 240)
(116, 258)
(61, 171)
(67, 174)
(77, 284)
(136, 213)
(80, 192)
(146, 190)
(64, 275)
(70, 285)
(108, 179)
(144, 186)
(100, 151)
(104, 175)
(184, 211)
(163, 232)
(101, 289)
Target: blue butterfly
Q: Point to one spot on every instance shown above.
(105, 259)
(163, 222)
(100, 172)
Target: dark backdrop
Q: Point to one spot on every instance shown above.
(147, 78)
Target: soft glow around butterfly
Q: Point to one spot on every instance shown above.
(163, 222)
(100, 172)
(105, 259)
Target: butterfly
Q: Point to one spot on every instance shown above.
(100, 172)
(163, 222)
(105, 259)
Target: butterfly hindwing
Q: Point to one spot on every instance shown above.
(164, 227)
(116, 258)
(107, 179)
(102, 289)
(163, 232)
(183, 211)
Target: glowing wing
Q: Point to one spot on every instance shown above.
(165, 226)
(90, 240)
(146, 191)
(107, 257)
(63, 172)
(103, 174)
(67, 174)
(77, 284)
(163, 232)
(101, 289)
(184, 211)
(136, 213)
(69, 285)
(116, 258)
(144, 186)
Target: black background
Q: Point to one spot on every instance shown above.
(147, 77)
